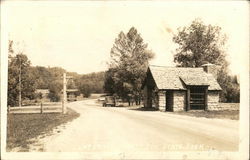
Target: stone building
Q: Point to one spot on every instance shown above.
(178, 89)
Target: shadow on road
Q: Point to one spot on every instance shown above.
(144, 109)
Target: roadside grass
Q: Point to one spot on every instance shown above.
(231, 111)
(224, 114)
(221, 114)
(23, 127)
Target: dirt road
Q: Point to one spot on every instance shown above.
(123, 130)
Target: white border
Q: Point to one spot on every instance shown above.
(244, 106)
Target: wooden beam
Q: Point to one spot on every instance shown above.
(188, 98)
(206, 92)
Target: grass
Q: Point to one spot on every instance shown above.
(23, 127)
(221, 114)
(231, 111)
(224, 114)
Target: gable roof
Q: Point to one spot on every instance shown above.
(176, 78)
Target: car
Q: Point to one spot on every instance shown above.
(109, 101)
(102, 99)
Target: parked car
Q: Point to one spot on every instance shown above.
(102, 99)
(109, 101)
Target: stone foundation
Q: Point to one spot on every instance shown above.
(179, 101)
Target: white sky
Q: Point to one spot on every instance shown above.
(78, 36)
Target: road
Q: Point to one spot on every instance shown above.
(122, 130)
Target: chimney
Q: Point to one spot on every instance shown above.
(211, 69)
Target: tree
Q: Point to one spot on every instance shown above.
(90, 83)
(200, 44)
(129, 61)
(109, 81)
(230, 88)
(55, 89)
(19, 69)
(85, 89)
(43, 77)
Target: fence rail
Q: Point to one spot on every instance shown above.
(43, 108)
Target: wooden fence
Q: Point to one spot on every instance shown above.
(42, 108)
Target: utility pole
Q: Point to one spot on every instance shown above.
(64, 101)
(20, 85)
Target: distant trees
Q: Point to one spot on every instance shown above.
(200, 44)
(129, 61)
(55, 91)
(90, 83)
(51, 78)
(38, 77)
(85, 89)
(19, 77)
(43, 76)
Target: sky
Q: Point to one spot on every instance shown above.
(78, 36)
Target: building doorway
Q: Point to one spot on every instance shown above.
(169, 100)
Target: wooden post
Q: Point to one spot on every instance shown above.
(41, 107)
(64, 109)
(206, 91)
(8, 108)
(188, 98)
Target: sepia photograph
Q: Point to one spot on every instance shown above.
(124, 80)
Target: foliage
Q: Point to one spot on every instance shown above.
(85, 89)
(200, 44)
(109, 81)
(230, 88)
(90, 83)
(19, 68)
(129, 61)
(43, 77)
(55, 91)
(38, 77)
(51, 78)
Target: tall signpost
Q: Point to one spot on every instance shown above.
(64, 101)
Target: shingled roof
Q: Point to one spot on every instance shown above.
(177, 78)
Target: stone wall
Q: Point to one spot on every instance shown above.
(162, 100)
(213, 101)
(230, 106)
(179, 100)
